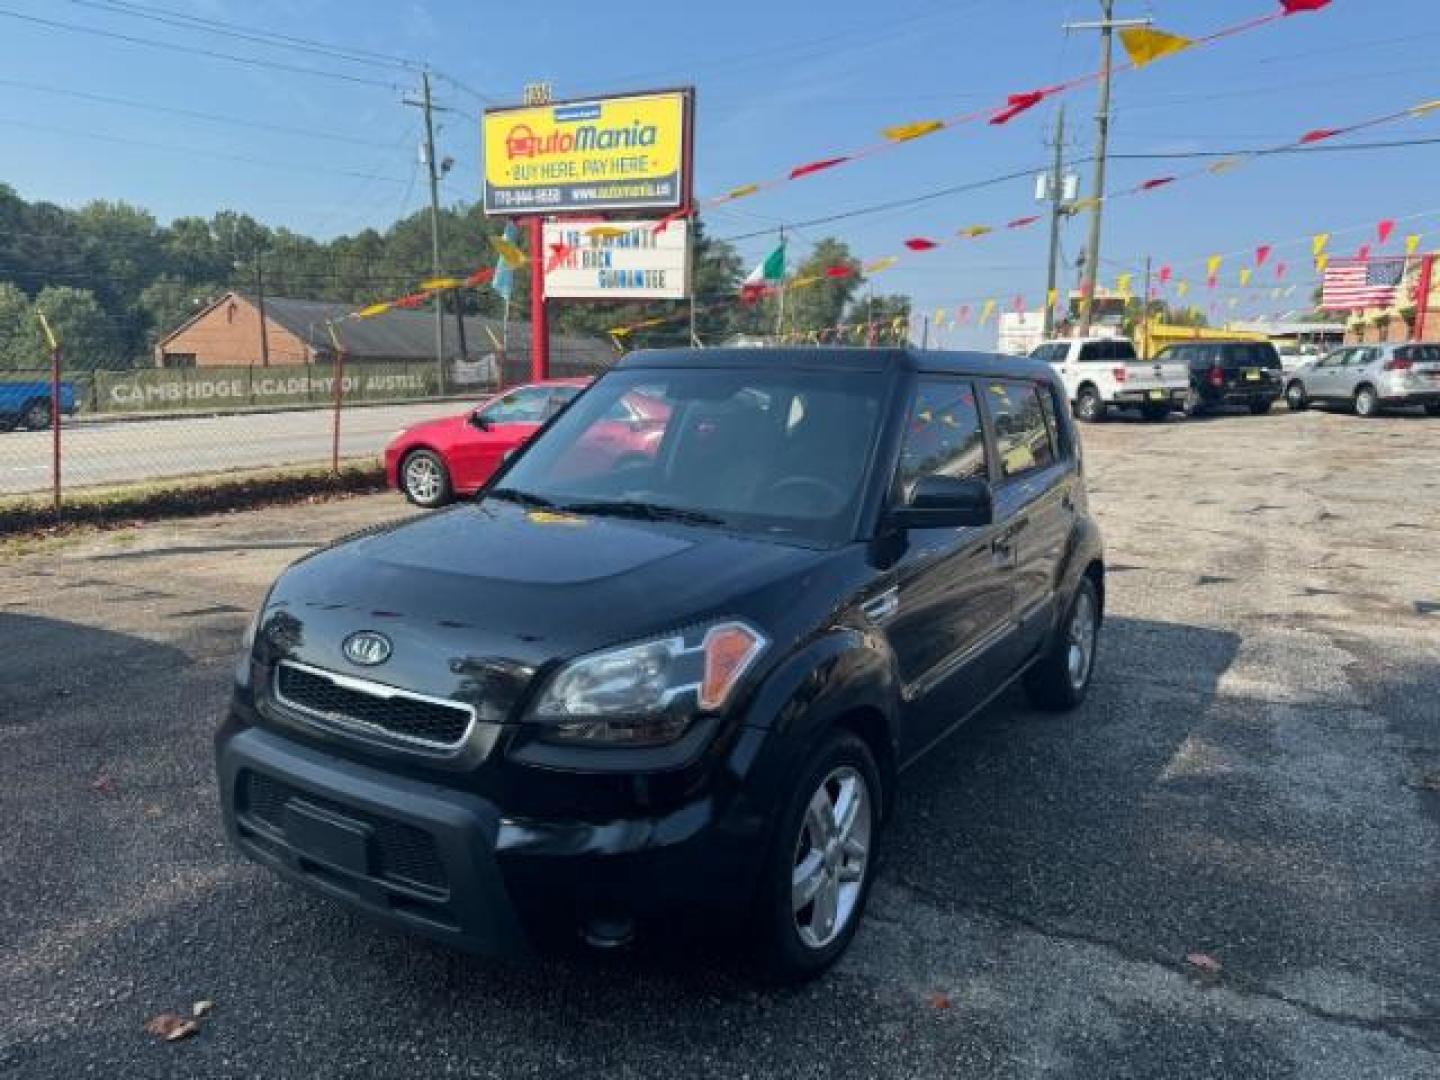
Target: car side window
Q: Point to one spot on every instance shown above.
(1092, 352)
(527, 405)
(1022, 437)
(559, 397)
(943, 436)
(1058, 436)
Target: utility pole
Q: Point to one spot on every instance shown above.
(1057, 214)
(1107, 26)
(1145, 314)
(434, 170)
(780, 305)
(260, 307)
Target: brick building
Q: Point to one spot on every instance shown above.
(228, 333)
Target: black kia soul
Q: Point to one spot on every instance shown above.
(659, 685)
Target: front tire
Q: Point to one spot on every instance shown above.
(1295, 398)
(1088, 406)
(819, 873)
(425, 480)
(1060, 680)
(1194, 403)
(1367, 402)
(37, 415)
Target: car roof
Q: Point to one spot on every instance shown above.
(838, 358)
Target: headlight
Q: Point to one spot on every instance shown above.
(647, 694)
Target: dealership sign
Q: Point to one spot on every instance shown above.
(619, 260)
(617, 153)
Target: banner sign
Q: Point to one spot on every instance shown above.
(619, 153)
(623, 260)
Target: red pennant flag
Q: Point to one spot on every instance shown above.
(1319, 135)
(1015, 104)
(414, 300)
(1021, 222)
(1363, 254)
(816, 166)
(1164, 274)
(1279, 270)
(1384, 229)
(839, 270)
(664, 222)
(1295, 7)
(963, 315)
(919, 243)
(1159, 181)
(1261, 254)
(558, 254)
(481, 276)
(1212, 281)
(1019, 303)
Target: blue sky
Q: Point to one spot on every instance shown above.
(778, 83)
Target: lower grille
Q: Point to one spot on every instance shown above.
(356, 703)
(406, 855)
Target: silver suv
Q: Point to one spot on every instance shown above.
(1370, 378)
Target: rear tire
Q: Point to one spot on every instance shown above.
(37, 415)
(425, 480)
(1367, 402)
(1295, 399)
(799, 941)
(1088, 406)
(1060, 680)
(1194, 403)
(1432, 408)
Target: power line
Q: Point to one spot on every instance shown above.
(194, 50)
(105, 99)
(263, 37)
(1320, 148)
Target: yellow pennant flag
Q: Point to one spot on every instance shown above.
(49, 333)
(431, 284)
(509, 253)
(1425, 107)
(986, 311)
(1245, 273)
(878, 265)
(1318, 242)
(1412, 243)
(1090, 202)
(1051, 297)
(1321, 262)
(918, 130)
(1145, 46)
(606, 232)
(1224, 165)
(1122, 284)
(1212, 265)
(742, 191)
(1182, 287)
(371, 311)
(620, 331)
(973, 231)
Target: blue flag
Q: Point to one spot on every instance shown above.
(504, 280)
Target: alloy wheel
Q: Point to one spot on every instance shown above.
(1080, 639)
(832, 853)
(423, 479)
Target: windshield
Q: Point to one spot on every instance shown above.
(773, 453)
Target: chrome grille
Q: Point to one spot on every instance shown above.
(372, 708)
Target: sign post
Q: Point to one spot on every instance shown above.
(55, 412)
(539, 316)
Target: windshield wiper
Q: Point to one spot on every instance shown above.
(643, 511)
(524, 498)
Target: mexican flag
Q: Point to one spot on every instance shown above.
(768, 274)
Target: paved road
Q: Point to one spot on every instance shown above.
(1254, 778)
(110, 452)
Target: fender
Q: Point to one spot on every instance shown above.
(1083, 547)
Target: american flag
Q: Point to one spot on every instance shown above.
(1356, 284)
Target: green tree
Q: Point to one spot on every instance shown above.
(818, 300)
(881, 312)
(20, 345)
(87, 335)
(168, 301)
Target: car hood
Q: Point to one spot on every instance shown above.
(491, 591)
(445, 425)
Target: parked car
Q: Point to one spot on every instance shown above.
(433, 462)
(1101, 374)
(27, 404)
(1370, 379)
(1293, 355)
(1222, 373)
(682, 690)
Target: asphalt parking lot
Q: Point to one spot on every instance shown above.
(1227, 864)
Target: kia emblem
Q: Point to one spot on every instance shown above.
(366, 648)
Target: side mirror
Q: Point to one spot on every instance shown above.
(477, 420)
(944, 502)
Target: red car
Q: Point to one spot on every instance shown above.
(434, 462)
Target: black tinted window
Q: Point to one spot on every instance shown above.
(1092, 352)
(1419, 354)
(1053, 353)
(1260, 354)
(944, 435)
(1120, 349)
(1022, 437)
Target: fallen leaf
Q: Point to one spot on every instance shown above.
(103, 783)
(1205, 966)
(170, 1027)
(939, 1000)
(202, 1008)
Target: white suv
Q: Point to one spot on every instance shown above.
(1101, 374)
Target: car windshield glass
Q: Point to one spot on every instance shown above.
(768, 452)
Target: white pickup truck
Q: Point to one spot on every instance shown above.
(1101, 374)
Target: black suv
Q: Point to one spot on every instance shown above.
(1229, 373)
(599, 698)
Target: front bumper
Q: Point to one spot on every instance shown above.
(451, 865)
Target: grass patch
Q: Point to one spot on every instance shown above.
(30, 518)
